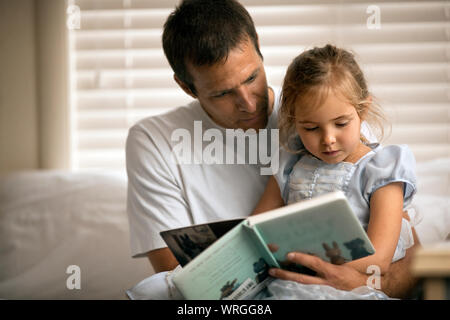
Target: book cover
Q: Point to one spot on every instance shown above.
(323, 226)
(231, 259)
(188, 242)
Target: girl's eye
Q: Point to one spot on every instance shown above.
(310, 129)
(342, 124)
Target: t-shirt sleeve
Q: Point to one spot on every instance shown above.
(394, 163)
(155, 200)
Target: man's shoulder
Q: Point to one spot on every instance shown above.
(166, 122)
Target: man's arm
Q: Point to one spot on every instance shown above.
(155, 201)
(162, 260)
(399, 282)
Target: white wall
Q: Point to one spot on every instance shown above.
(34, 112)
(18, 103)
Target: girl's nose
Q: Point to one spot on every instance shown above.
(328, 138)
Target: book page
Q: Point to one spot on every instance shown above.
(296, 208)
(188, 242)
(226, 268)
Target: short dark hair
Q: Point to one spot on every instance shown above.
(203, 32)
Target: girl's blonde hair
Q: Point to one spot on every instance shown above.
(315, 73)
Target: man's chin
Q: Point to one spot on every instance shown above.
(258, 122)
(256, 125)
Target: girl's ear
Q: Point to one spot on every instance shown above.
(365, 109)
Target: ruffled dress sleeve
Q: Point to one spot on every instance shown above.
(394, 163)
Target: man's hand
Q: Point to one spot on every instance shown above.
(398, 282)
(338, 276)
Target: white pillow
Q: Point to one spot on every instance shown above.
(432, 200)
(50, 220)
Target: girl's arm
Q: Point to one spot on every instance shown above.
(386, 211)
(271, 198)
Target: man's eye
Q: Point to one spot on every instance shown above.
(310, 129)
(251, 79)
(220, 95)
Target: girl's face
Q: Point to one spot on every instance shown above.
(332, 131)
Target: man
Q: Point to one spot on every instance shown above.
(213, 48)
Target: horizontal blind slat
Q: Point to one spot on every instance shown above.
(357, 34)
(88, 5)
(370, 53)
(158, 98)
(162, 78)
(424, 114)
(121, 79)
(390, 93)
(436, 52)
(434, 133)
(115, 157)
(279, 35)
(412, 93)
(275, 15)
(123, 118)
(411, 134)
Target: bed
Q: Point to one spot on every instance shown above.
(51, 221)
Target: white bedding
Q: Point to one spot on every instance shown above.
(432, 200)
(50, 220)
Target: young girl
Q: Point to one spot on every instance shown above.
(324, 102)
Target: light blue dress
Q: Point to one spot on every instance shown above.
(303, 176)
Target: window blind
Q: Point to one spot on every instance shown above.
(120, 74)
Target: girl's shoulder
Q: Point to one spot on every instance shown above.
(387, 156)
(388, 164)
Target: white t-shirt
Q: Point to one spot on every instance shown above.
(164, 194)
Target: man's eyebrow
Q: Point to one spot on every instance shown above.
(253, 75)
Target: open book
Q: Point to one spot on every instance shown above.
(230, 259)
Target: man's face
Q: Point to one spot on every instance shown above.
(234, 93)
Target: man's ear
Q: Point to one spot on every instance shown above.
(184, 86)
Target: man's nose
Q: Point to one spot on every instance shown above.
(244, 101)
